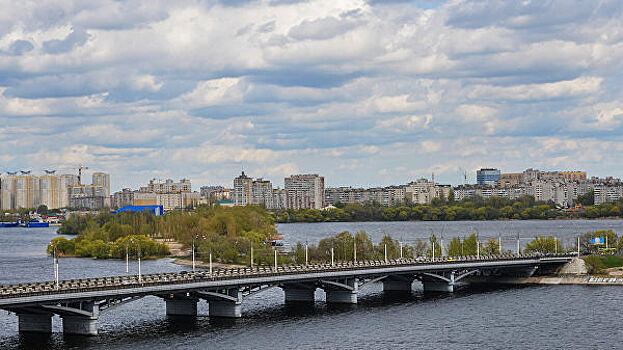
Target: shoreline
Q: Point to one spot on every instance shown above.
(505, 219)
(581, 280)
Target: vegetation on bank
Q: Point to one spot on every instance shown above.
(492, 208)
(228, 233)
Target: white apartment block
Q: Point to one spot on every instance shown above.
(249, 191)
(305, 191)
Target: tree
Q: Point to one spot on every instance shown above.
(492, 247)
(420, 247)
(42, 209)
(455, 247)
(541, 244)
(434, 244)
(586, 199)
(594, 264)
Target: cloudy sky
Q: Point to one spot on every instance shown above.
(364, 92)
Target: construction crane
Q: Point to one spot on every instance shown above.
(80, 168)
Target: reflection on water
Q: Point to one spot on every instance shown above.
(547, 317)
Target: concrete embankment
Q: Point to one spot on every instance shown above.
(562, 280)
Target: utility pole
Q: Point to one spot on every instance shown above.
(332, 257)
(477, 249)
(518, 245)
(140, 277)
(441, 245)
(127, 258)
(193, 247)
(354, 250)
(400, 250)
(386, 253)
(56, 268)
(556, 245)
(210, 261)
(251, 254)
(433, 250)
(578, 246)
(306, 255)
(275, 259)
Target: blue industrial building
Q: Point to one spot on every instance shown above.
(156, 210)
(487, 176)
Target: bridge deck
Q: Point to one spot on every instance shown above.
(165, 282)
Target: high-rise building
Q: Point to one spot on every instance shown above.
(304, 191)
(103, 180)
(242, 190)
(87, 196)
(487, 176)
(249, 191)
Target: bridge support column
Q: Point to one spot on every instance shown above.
(391, 284)
(341, 292)
(83, 321)
(299, 293)
(438, 283)
(35, 323)
(79, 325)
(230, 305)
(181, 307)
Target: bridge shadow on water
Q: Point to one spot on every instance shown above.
(145, 334)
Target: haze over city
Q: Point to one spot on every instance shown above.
(364, 92)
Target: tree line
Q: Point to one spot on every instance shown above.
(492, 208)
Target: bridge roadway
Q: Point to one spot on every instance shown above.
(79, 302)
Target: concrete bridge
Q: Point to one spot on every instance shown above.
(80, 302)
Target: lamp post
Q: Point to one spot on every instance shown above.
(138, 256)
(55, 268)
(127, 258)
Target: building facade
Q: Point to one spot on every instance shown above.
(305, 191)
(487, 176)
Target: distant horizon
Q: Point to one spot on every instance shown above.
(196, 186)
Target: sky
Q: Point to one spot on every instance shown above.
(364, 92)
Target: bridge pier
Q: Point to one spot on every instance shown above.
(79, 325)
(80, 318)
(35, 322)
(438, 283)
(181, 307)
(299, 295)
(227, 304)
(341, 292)
(395, 284)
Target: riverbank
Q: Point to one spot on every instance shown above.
(562, 280)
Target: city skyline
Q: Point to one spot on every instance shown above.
(367, 93)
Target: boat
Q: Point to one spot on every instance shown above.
(36, 223)
(9, 224)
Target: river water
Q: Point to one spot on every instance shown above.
(544, 317)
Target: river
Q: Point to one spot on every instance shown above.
(544, 317)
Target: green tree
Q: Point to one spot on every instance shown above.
(541, 244)
(594, 265)
(492, 247)
(455, 247)
(586, 199)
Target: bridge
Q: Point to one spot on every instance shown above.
(79, 302)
